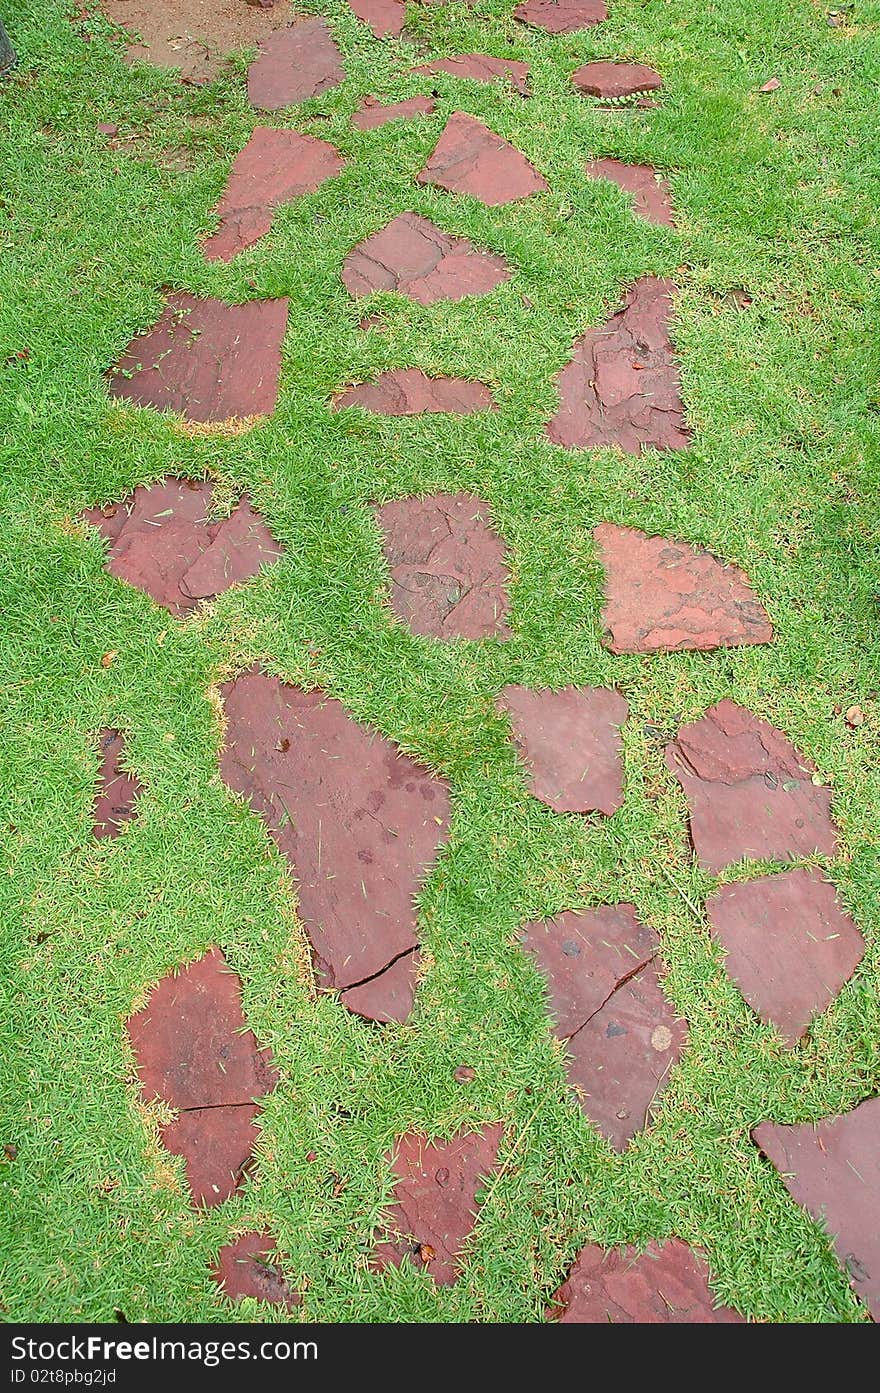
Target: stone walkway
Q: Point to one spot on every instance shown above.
(361, 824)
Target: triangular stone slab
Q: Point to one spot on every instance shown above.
(667, 1284)
(569, 742)
(482, 67)
(471, 159)
(418, 260)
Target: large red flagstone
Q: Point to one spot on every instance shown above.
(482, 67)
(372, 112)
(749, 791)
(621, 386)
(832, 1168)
(448, 572)
(663, 595)
(245, 1267)
(115, 800)
(293, 65)
(613, 80)
(667, 1284)
(274, 167)
(570, 743)
(469, 158)
(562, 16)
(163, 541)
(415, 258)
(359, 822)
(435, 1200)
(789, 945)
(205, 359)
(651, 195)
(410, 392)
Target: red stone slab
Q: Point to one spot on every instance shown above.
(372, 112)
(749, 791)
(448, 573)
(614, 80)
(386, 18)
(469, 158)
(667, 1284)
(663, 595)
(293, 65)
(274, 167)
(832, 1168)
(435, 1204)
(410, 392)
(482, 67)
(415, 258)
(217, 1146)
(652, 197)
(570, 743)
(621, 386)
(205, 359)
(162, 541)
(115, 801)
(789, 945)
(562, 16)
(245, 1268)
(621, 1058)
(388, 997)
(359, 822)
(585, 955)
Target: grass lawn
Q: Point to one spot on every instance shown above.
(776, 194)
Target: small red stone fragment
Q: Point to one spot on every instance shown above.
(562, 16)
(614, 80)
(293, 65)
(387, 997)
(570, 744)
(417, 259)
(372, 112)
(471, 159)
(115, 803)
(386, 18)
(652, 199)
(410, 392)
(245, 1268)
(667, 1284)
(482, 67)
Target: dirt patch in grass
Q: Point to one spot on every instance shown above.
(195, 36)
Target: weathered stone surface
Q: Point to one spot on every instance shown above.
(435, 1203)
(667, 1284)
(652, 197)
(359, 822)
(388, 997)
(274, 167)
(570, 743)
(386, 18)
(205, 359)
(562, 16)
(410, 392)
(245, 1267)
(293, 65)
(414, 257)
(217, 1147)
(614, 80)
(664, 595)
(372, 112)
(622, 386)
(469, 158)
(482, 67)
(790, 947)
(115, 800)
(448, 573)
(162, 541)
(832, 1168)
(192, 35)
(749, 791)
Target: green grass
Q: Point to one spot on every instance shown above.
(776, 193)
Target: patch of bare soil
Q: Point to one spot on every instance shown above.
(193, 35)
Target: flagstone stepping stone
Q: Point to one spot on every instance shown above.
(435, 1200)
(663, 596)
(386, 18)
(482, 67)
(372, 113)
(163, 541)
(652, 197)
(469, 158)
(115, 801)
(621, 386)
(789, 946)
(293, 65)
(194, 1051)
(562, 16)
(749, 791)
(570, 743)
(274, 167)
(360, 823)
(410, 392)
(832, 1169)
(621, 1034)
(448, 573)
(667, 1284)
(387, 997)
(613, 80)
(412, 256)
(191, 35)
(205, 359)
(245, 1268)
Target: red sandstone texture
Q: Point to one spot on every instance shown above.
(417, 259)
(469, 158)
(569, 742)
(667, 1284)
